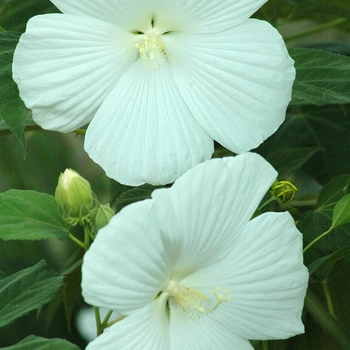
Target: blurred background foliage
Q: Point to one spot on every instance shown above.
(323, 131)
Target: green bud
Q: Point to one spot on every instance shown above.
(101, 218)
(284, 191)
(74, 196)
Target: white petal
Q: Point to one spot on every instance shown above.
(146, 329)
(188, 226)
(133, 15)
(143, 132)
(266, 279)
(203, 334)
(126, 266)
(202, 17)
(236, 83)
(208, 16)
(65, 66)
(208, 207)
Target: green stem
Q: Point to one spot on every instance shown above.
(76, 240)
(115, 321)
(317, 239)
(86, 236)
(106, 319)
(316, 29)
(328, 299)
(266, 203)
(304, 203)
(265, 345)
(99, 328)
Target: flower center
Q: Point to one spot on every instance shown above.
(193, 302)
(152, 47)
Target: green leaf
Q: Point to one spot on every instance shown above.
(16, 13)
(286, 161)
(326, 127)
(332, 192)
(134, 195)
(72, 290)
(30, 215)
(322, 77)
(29, 122)
(27, 290)
(341, 212)
(12, 109)
(313, 223)
(321, 315)
(37, 343)
(321, 268)
(3, 2)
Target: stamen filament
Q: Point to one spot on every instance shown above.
(152, 48)
(193, 302)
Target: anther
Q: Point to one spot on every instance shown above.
(193, 302)
(152, 48)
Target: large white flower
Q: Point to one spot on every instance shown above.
(192, 271)
(159, 80)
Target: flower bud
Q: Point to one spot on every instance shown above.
(101, 218)
(284, 191)
(74, 196)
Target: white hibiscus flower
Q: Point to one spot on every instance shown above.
(159, 80)
(190, 270)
